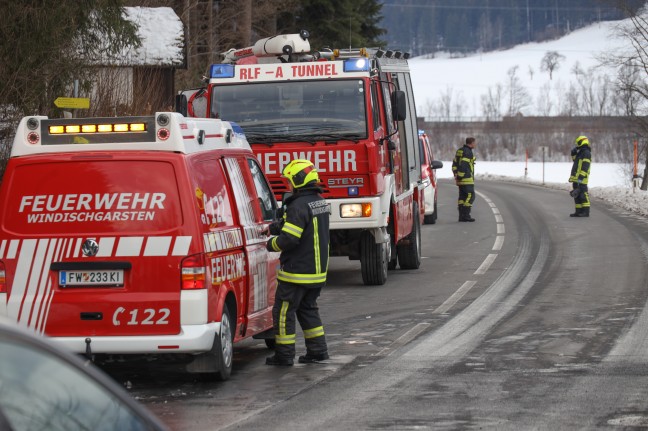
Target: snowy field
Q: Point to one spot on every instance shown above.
(463, 81)
(610, 182)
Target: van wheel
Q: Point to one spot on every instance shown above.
(409, 254)
(224, 347)
(432, 218)
(373, 260)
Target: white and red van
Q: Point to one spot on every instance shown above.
(429, 178)
(137, 235)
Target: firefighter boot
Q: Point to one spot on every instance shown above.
(310, 358)
(467, 216)
(585, 212)
(460, 209)
(577, 213)
(278, 360)
(464, 214)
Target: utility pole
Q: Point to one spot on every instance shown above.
(528, 22)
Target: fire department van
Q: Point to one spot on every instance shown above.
(352, 113)
(137, 235)
(429, 177)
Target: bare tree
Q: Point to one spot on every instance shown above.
(491, 103)
(544, 102)
(551, 62)
(518, 96)
(632, 72)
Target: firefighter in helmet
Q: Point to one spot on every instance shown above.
(302, 237)
(463, 169)
(582, 156)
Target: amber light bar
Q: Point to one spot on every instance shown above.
(97, 128)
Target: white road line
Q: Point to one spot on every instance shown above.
(403, 339)
(454, 297)
(499, 240)
(485, 264)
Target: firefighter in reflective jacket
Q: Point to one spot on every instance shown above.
(580, 172)
(463, 169)
(303, 240)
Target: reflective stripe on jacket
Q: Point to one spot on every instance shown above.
(304, 239)
(580, 171)
(463, 166)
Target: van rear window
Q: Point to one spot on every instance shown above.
(92, 197)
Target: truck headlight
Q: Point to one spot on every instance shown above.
(355, 210)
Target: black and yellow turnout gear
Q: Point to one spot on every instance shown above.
(582, 160)
(463, 169)
(303, 240)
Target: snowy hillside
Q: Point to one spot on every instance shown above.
(457, 87)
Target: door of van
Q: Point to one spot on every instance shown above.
(256, 208)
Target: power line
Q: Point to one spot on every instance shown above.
(504, 8)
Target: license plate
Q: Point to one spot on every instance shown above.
(100, 277)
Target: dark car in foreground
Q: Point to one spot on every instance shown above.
(45, 388)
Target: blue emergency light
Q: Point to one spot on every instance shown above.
(356, 65)
(221, 71)
(353, 191)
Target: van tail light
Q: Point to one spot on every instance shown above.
(3, 278)
(193, 271)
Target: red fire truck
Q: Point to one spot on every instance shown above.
(352, 113)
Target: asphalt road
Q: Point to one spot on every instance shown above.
(525, 319)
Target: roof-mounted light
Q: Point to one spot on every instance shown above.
(72, 129)
(221, 71)
(356, 65)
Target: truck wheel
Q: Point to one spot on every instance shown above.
(409, 254)
(373, 260)
(224, 348)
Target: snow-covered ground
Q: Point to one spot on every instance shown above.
(463, 81)
(609, 182)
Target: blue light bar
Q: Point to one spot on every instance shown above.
(356, 65)
(353, 191)
(221, 71)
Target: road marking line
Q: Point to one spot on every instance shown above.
(500, 228)
(403, 339)
(499, 240)
(498, 218)
(485, 264)
(495, 210)
(454, 297)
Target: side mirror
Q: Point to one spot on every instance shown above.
(436, 164)
(181, 104)
(399, 105)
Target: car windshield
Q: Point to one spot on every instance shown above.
(40, 391)
(294, 110)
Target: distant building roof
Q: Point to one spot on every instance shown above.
(162, 35)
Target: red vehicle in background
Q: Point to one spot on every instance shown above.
(352, 113)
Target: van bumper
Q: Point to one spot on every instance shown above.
(191, 339)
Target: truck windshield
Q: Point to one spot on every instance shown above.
(273, 112)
